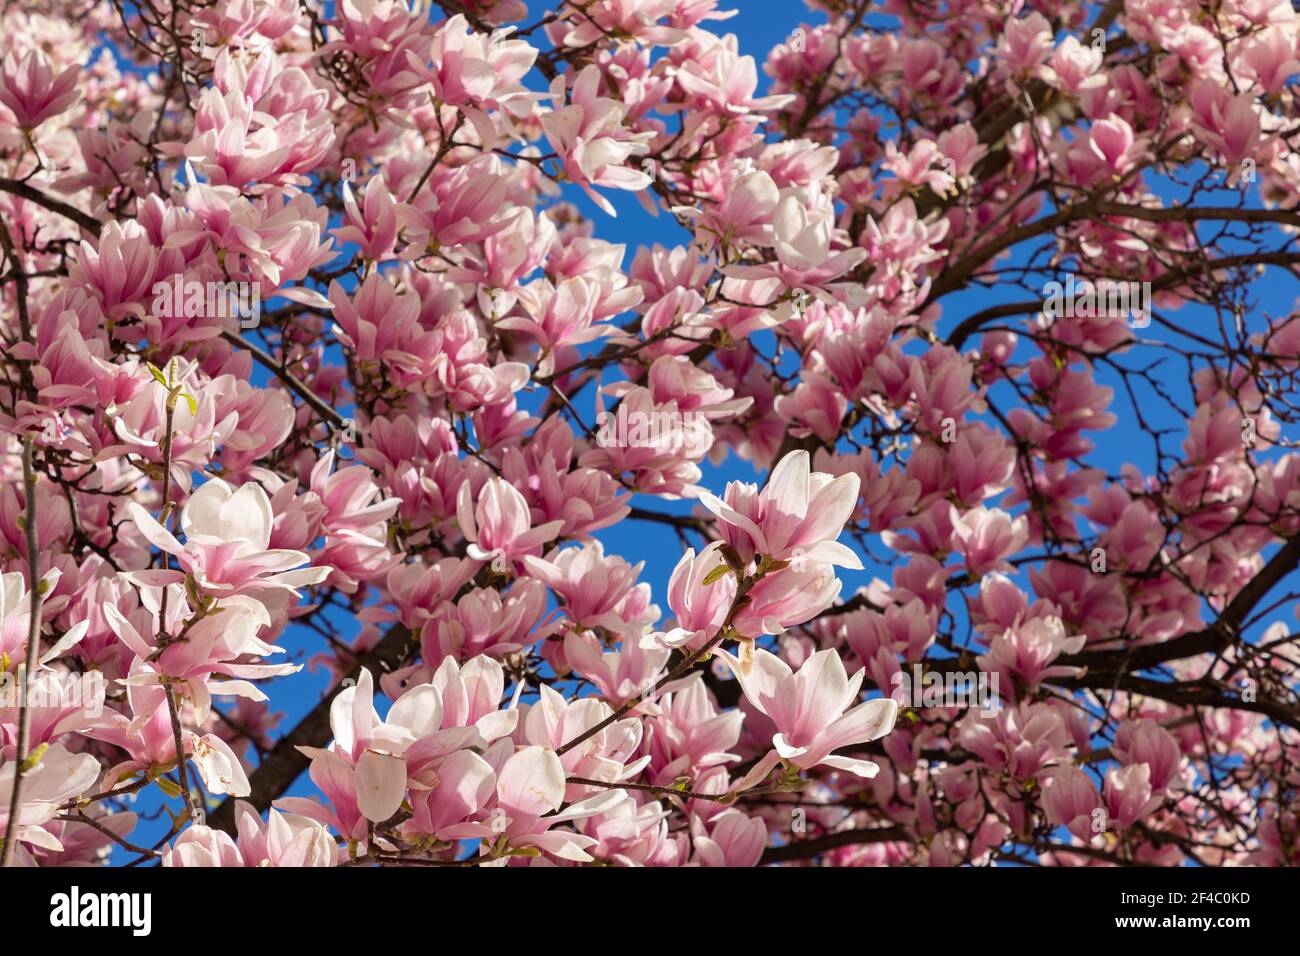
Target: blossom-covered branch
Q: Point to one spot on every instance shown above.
(922, 491)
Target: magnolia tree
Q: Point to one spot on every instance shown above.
(307, 339)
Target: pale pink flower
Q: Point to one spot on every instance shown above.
(58, 775)
(802, 235)
(364, 772)
(1073, 67)
(611, 754)
(485, 621)
(477, 72)
(815, 711)
(234, 144)
(1112, 141)
(987, 536)
(743, 212)
(591, 140)
(499, 525)
(373, 225)
(530, 790)
(729, 82)
(30, 89)
(690, 731)
(700, 608)
(1230, 124)
(1146, 742)
(1023, 741)
(1070, 799)
(731, 839)
(1271, 57)
(1025, 43)
(202, 846)
(284, 839)
(1128, 795)
(227, 538)
(224, 643)
(786, 598)
(597, 590)
(798, 515)
(619, 675)
(630, 18)
(1025, 653)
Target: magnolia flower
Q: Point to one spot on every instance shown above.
(598, 590)
(987, 536)
(732, 839)
(530, 791)
(499, 527)
(589, 136)
(1025, 43)
(202, 846)
(729, 83)
(32, 92)
(222, 643)
(1146, 742)
(484, 621)
(699, 597)
(1128, 795)
(284, 839)
(1026, 653)
(55, 776)
(797, 516)
(476, 72)
(226, 550)
(787, 597)
(218, 766)
(15, 616)
(619, 675)
(366, 771)
(802, 236)
(808, 711)
(1070, 799)
(1074, 67)
(1112, 142)
(372, 224)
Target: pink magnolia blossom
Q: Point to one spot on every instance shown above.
(314, 351)
(798, 515)
(591, 140)
(619, 675)
(597, 590)
(30, 89)
(700, 608)
(499, 527)
(1025, 653)
(815, 711)
(227, 533)
(57, 776)
(1072, 800)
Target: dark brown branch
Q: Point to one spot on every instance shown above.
(19, 188)
(267, 360)
(806, 849)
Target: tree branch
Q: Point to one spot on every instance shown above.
(67, 210)
(285, 762)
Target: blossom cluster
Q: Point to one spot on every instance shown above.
(395, 461)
